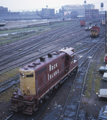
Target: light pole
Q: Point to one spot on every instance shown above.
(105, 34)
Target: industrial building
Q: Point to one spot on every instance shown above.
(76, 10)
(91, 13)
(3, 11)
(47, 12)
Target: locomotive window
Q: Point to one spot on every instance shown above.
(21, 74)
(67, 57)
(31, 75)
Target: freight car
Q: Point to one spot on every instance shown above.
(38, 78)
(95, 31)
(82, 23)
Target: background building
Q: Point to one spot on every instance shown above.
(74, 11)
(47, 12)
(3, 11)
(91, 13)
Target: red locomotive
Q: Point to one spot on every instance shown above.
(95, 31)
(41, 76)
(105, 58)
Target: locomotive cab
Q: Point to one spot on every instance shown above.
(27, 82)
(22, 99)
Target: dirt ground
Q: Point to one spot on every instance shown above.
(4, 109)
(92, 105)
(21, 23)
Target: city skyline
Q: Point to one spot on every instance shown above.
(23, 5)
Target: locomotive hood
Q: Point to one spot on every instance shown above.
(69, 51)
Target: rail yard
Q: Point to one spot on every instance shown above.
(75, 95)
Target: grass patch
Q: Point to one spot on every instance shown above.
(11, 38)
(89, 81)
(6, 96)
(34, 27)
(97, 83)
(9, 74)
(102, 58)
(23, 32)
(93, 80)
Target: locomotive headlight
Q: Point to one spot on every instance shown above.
(23, 75)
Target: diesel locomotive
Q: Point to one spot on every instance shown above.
(95, 31)
(38, 78)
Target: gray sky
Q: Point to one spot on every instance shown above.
(20, 5)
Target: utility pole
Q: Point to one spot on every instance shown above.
(105, 35)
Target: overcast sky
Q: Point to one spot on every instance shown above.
(20, 5)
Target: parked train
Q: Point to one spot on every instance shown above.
(95, 31)
(38, 78)
(82, 23)
(105, 58)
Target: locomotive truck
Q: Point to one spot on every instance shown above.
(41, 76)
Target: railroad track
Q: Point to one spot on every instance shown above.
(22, 61)
(62, 115)
(33, 39)
(71, 106)
(12, 58)
(14, 80)
(72, 88)
(9, 83)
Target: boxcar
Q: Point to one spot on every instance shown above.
(82, 23)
